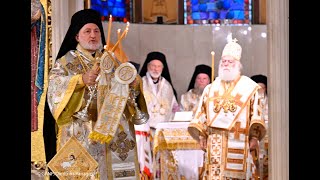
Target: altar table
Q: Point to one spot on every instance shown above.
(176, 154)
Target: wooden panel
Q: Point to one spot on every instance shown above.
(137, 11)
(160, 11)
(255, 11)
(263, 12)
(180, 12)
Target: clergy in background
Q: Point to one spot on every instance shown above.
(200, 79)
(161, 103)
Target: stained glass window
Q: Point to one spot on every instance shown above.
(119, 9)
(217, 12)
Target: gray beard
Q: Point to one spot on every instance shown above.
(198, 90)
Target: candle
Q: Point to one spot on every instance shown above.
(127, 28)
(118, 32)
(120, 46)
(109, 31)
(212, 66)
(124, 33)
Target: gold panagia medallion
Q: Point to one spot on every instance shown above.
(73, 161)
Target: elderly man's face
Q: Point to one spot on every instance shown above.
(229, 68)
(155, 68)
(89, 37)
(202, 80)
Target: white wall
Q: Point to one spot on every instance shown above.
(186, 46)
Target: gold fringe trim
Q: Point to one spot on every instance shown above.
(96, 136)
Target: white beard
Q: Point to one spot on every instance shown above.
(92, 46)
(229, 75)
(155, 74)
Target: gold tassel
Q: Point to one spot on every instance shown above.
(96, 136)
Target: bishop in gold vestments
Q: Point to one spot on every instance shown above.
(88, 95)
(228, 122)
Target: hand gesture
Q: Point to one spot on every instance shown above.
(89, 78)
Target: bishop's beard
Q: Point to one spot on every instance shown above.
(155, 74)
(93, 46)
(198, 90)
(229, 75)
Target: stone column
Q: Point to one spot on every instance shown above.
(278, 88)
(62, 12)
(60, 23)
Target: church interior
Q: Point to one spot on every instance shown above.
(187, 41)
